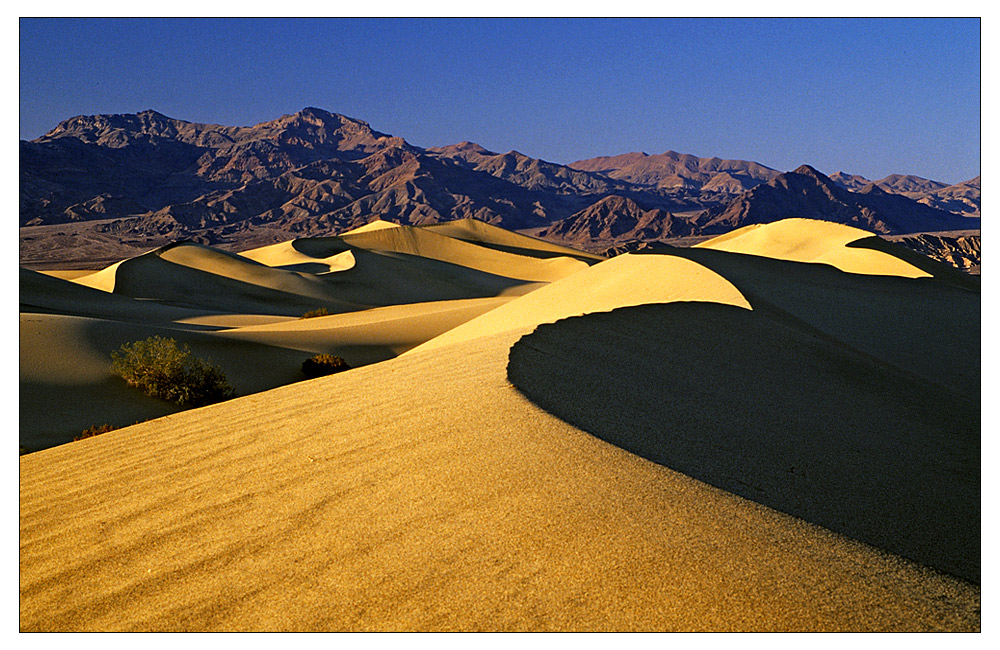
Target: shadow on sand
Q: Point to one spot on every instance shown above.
(802, 412)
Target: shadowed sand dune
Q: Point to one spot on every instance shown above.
(425, 492)
(837, 437)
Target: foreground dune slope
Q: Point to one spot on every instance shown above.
(426, 493)
(441, 499)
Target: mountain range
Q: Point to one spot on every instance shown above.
(100, 188)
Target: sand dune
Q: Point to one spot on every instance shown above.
(377, 224)
(619, 282)
(48, 294)
(371, 335)
(199, 276)
(815, 444)
(426, 492)
(65, 360)
(424, 242)
(285, 256)
(364, 269)
(442, 500)
(808, 240)
(478, 232)
(240, 311)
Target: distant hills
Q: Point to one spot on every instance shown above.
(98, 188)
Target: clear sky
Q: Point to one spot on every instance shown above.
(866, 96)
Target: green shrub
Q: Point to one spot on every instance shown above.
(95, 430)
(161, 369)
(323, 364)
(322, 311)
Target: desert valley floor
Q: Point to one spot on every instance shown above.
(777, 429)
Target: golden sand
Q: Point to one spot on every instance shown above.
(424, 492)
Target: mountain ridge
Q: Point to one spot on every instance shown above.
(138, 180)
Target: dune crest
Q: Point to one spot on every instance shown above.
(286, 256)
(622, 281)
(377, 224)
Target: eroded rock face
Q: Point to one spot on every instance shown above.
(961, 251)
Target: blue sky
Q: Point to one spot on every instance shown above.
(869, 97)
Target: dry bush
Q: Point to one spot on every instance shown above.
(95, 430)
(161, 369)
(323, 364)
(322, 311)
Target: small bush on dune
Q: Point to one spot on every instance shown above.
(322, 311)
(95, 430)
(323, 364)
(161, 369)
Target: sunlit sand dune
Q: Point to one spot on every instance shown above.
(428, 492)
(65, 360)
(377, 224)
(425, 242)
(198, 276)
(104, 280)
(40, 292)
(393, 329)
(808, 240)
(482, 233)
(621, 281)
(285, 256)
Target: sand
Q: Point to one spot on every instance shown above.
(426, 492)
(242, 312)
(808, 240)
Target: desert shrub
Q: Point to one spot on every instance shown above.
(95, 430)
(323, 364)
(162, 369)
(322, 311)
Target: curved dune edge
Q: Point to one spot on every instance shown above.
(443, 500)
(619, 282)
(809, 240)
(285, 255)
(475, 231)
(773, 413)
(422, 242)
(103, 280)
